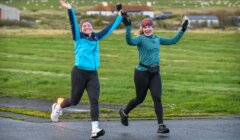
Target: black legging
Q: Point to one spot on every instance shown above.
(82, 80)
(144, 81)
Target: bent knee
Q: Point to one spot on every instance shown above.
(139, 101)
(94, 101)
(157, 100)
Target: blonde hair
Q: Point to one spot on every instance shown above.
(140, 31)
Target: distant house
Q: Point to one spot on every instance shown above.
(165, 15)
(109, 10)
(202, 20)
(236, 20)
(9, 13)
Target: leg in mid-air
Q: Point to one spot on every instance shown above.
(141, 84)
(78, 83)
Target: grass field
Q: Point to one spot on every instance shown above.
(50, 4)
(200, 74)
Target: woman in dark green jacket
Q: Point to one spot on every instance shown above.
(146, 74)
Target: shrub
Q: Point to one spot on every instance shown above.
(14, 23)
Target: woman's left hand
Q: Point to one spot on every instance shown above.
(185, 25)
(65, 4)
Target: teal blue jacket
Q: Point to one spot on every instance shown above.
(149, 47)
(86, 48)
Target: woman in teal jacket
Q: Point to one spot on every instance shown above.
(87, 61)
(146, 75)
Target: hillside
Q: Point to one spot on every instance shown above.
(158, 4)
(46, 14)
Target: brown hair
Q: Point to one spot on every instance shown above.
(86, 20)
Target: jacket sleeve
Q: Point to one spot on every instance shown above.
(74, 24)
(131, 41)
(173, 40)
(109, 29)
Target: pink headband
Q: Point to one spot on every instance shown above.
(147, 22)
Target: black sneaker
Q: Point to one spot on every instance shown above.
(124, 117)
(100, 133)
(162, 129)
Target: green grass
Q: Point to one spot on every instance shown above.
(11, 117)
(104, 114)
(29, 112)
(200, 74)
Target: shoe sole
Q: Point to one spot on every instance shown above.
(100, 133)
(164, 133)
(53, 106)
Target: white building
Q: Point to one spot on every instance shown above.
(201, 20)
(9, 13)
(109, 10)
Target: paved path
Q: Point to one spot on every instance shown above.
(220, 129)
(215, 128)
(45, 105)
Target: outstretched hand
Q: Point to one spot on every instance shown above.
(185, 25)
(65, 4)
(121, 11)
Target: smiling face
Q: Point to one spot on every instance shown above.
(147, 30)
(147, 27)
(87, 28)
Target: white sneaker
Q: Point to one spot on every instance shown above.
(60, 111)
(98, 133)
(55, 113)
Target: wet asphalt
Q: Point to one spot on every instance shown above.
(217, 129)
(210, 128)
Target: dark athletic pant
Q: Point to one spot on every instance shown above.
(144, 81)
(81, 80)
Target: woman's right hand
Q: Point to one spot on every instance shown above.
(65, 4)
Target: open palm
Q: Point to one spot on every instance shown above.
(65, 4)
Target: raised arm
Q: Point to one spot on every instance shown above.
(72, 19)
(176, 38)
(110, 28)
(173, 40)
(130, 41)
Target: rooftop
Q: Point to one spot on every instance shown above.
(128, 8)
(197, 17)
